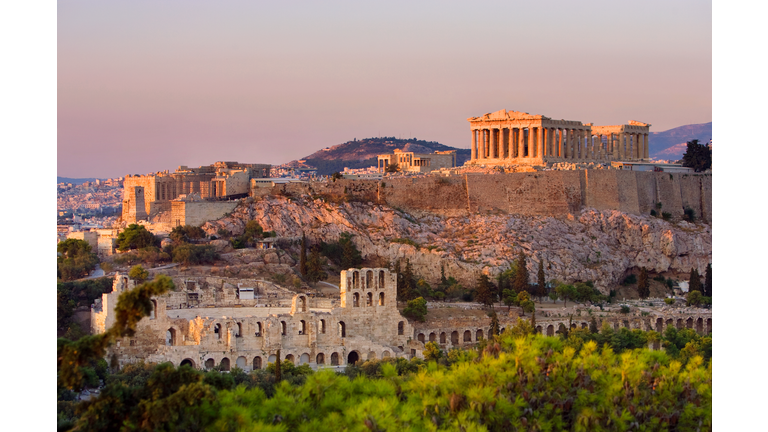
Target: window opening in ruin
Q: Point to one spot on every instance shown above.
(538, 329)
(241, 362)
(192, 299)
(479, 335)
(224, 364)
(304, 359)
(283, 328)
(320, 359)
(356, 280)
(355, 300)
(368, 279)
(289, 358)
(467, 336)
(550, 330)
(342, 329)
(689, 323)
(188, 362)
(210, 363)
(258, 329)
(322, 326)
(257, 362)
(239, 330)
(170, 337)
(369, 301)
(353, 357)
(334, 359)
(152, 312)
(303, 329)
(371, 355)
(381, 279)
(385, 354)
(217, 331)
(271, 358)
(302, 304)
(420, 337)
(400, 328)
(455, 337)
(432, 337)
(381, 299)
(442, 337)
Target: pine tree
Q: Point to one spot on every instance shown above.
(521, 278)
(541, 290)
(593, 325)
(408, 283)
(694, 284)
(484, 291)
(315, 271)
(708, 281)
(303, 256)
(642, 284)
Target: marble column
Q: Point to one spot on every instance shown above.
(474, 145)
(540, 143)
(645, 140)
(520, 142)
(493, 144)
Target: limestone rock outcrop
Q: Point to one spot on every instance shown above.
(592, 245)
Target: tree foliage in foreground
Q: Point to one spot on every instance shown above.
(76, 260)
(697, 156)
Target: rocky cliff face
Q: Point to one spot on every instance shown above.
(593, 245)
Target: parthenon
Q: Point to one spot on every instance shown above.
(513, 137)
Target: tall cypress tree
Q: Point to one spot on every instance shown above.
(708, 281)
(694, 283)
(642, 284)
(484, 291)
(541, 290)
(521, 278)
(408, 284)
(303, 256)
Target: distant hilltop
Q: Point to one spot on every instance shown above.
(362, 153)
(671, 144)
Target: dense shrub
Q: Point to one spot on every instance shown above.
(189, 254)
(75, 260)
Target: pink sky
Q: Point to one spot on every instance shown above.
(144, 86)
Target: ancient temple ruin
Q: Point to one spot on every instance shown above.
(512, 137)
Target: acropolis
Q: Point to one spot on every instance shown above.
(513, 137)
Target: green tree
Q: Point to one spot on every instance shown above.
(510, 298)
(350, 256)
(136, 237)
(138, 273)
(566, 292)
(521, 277)
(185, 233)
(484, 291)
(409, 284)
(189, 254)
(694, 283)
(303, 256)
(75, 259)
(494, 323)
(524, 300)
(593, 325)
(697, 156)
(432, 351)
(694, 298)
(708, 281)
(315, 271)
(642, 284)
(416, 309)
(541, 288)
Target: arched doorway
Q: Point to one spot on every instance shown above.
(334, 359)
(320, 359)
(257, 362)
(224, 364)
(550, 330)
(241, 362)
(700, 326)
(210, 363)
(442, 337)
(304, 359)
(455, 338)
(432, 337)
(353, 357)
(479, 335)
(188, 362)
(420, 337)
(289, 358)
(467, 336)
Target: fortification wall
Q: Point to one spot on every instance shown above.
(198, 213)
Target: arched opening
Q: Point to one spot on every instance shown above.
(432, 337)
(538, 329)
(561, 329)
(271, 359)
(381, 299)
(573, 325)
(385, 354)
(258, 329)
(442, 337)
(709, 325)
(689, 323)
(626, 324)
(381, 279)
(342, 329)
(170, 337)
(467, 336)
(320, 359)
(369, 300)
(371, 355)
(455, 338)
(239, 331)
(355, 300)
(479, 334)
(584, 325)
(283, 328)
(369, 279)
(224, 364)
(152, 312)
(302, 304)
(353, 357)
(188, 362)
(355, 279)
(289, 358)
(302, 327)
(669, 323)
(322, 326)
(700, 326)
(400, 328)
(257, 362)
(420, 337)
(659, 325)
(679, 323)
(210, 363)
(241, 362)
(335, 359)
(217, 331)
(550, 330)
(304, 359)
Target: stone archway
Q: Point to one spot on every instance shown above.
(320, 359)
(700, 326)
(241, 362)
(455, 337)
(257, 362)
(304, 359)
(224, 364)
(188, 362)
(353, 357)
(550, 330)
(210, 363)
(467, 336)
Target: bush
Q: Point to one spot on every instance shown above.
(624, 309)
(689, 215)
(405, 241)
(76, 260)
(185, 233)
(669, 301)
(629, 280)
(188, 254)
(136, 237)
(666, 216)
(416, 309)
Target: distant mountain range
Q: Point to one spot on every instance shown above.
(74, 181)
(363, 153)
(671, 144)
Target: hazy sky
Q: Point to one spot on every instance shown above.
(149, 85)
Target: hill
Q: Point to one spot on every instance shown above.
(670, 144)
(74, 181)
(362, 153)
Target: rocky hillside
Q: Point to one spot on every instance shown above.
(602, 246)
(670, 144)
(363, 153)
